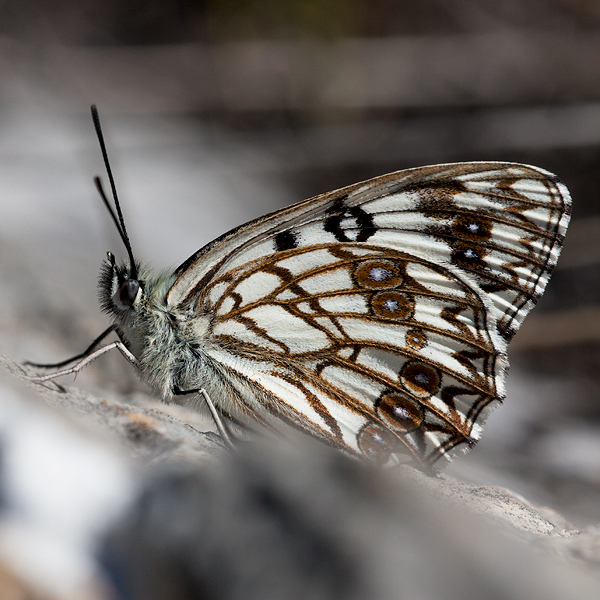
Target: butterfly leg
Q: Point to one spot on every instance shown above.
(213, 411)
(88, 359)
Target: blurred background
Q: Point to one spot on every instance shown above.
(218, 111)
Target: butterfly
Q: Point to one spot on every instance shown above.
(375, 318)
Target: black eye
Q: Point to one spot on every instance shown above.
(128, 292)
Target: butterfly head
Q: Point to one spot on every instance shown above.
(128, 291)
(120, 286)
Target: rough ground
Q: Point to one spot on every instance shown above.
(110, 482)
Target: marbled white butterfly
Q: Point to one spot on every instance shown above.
(375, 317)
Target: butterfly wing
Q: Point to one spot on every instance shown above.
(377, 316)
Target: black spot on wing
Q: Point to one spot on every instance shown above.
(286, 240)
(349, 224)
(506, 332)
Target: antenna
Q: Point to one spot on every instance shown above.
(119, 222)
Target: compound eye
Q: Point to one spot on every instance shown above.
(128, 292)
